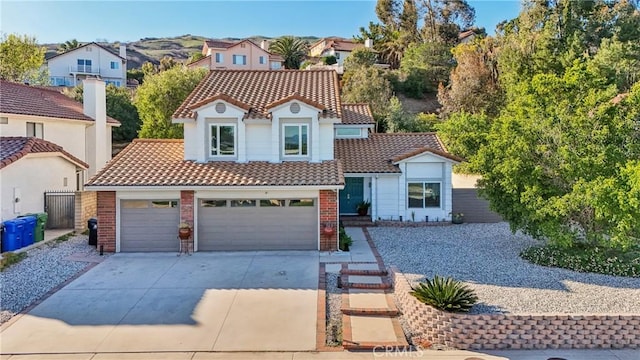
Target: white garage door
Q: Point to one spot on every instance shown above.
(258, 224)
(149, 225)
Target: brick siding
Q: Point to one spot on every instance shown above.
(328, 218)
(107, 220)
(86, 207)
(186, 211)
(429, 325)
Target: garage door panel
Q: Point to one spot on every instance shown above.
(258, 228)
(149, 229)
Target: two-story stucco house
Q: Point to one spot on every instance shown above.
(334, 46)
(49, 142)
(86, 61)
(238, 55)
(269, 160)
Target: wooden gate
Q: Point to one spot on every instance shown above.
(60, 206)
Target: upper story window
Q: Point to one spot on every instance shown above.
(262, 60)
(296, 140)
(84, 65)
(240, 59)
(348, 132)
(115, 65)
(223, 140)
(35, 130)
(219, 58)
(424, 194)
(275, 65)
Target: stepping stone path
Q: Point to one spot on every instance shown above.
(369, 315)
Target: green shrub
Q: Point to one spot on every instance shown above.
(345, 240)
(584, 258)
(329, 60)
(446, 294)
(10, 258)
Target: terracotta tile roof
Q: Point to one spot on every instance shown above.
(343, 45)
(219, 44)
(14, 148)
(357, 114)
(159, 162)
(259, 88)
(112, 51)
(220, 96)
(294, 96)
(378, 153)
(32, 100)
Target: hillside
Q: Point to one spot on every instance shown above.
(154, 49)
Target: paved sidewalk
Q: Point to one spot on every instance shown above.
(426, 355)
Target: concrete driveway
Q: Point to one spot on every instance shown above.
(159, 302)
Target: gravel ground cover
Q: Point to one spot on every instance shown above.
(44, 268)
(486, 257)
(334, 315)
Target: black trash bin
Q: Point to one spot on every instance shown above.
(92, 224)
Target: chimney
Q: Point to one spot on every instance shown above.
(264, 44)
(123, 51)
(368, 43)
(98, 136)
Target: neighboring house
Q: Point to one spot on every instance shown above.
(80, 132)
(334, 46)
(88, 61)
(29, 166)
(238, 55)
(467, 36)
(267, 161)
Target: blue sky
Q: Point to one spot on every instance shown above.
(114, 20)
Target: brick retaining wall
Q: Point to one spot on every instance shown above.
(508, 331)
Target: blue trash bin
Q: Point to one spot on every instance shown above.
(12, 236)
(29, 230)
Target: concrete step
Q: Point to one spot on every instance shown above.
(371, 282)
(368, 303)
(364, 272)
(370, 312)
(372, 332)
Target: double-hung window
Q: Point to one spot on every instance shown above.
(240, 59)
(296, 140)
(424, 195)
(219, 58)
(262, 61)
(223, 140)
(35, 130)
(115, 65)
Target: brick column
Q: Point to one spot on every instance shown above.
(107, 220)
(328, 217)
(186, 211)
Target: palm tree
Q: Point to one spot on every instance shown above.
(68, 45)
(293, 50)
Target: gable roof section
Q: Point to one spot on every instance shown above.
(37, 101)
(15, 148)
(261, 88)
(205, 60)
(220, 96)
(160, 162)
(219, 44)
(85, 45)
(357, 114)
(292, 97)
(379, 152)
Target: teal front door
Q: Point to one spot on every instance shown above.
(351, 195)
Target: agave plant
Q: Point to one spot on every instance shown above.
(446, 294)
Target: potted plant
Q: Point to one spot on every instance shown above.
(184, 231)
(363, 208)
(457, 218)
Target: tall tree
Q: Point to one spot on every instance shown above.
(444, 19)
(473, 84)
(160, 95)
(292, 49)
(68, 45)
(366, 84)
(21, 60)
(387, 12)
(409, 21)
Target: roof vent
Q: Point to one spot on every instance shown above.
(221, 108)
(294, 108)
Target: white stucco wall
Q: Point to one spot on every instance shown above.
(33, 175)
(70, 134)
(258, 139)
